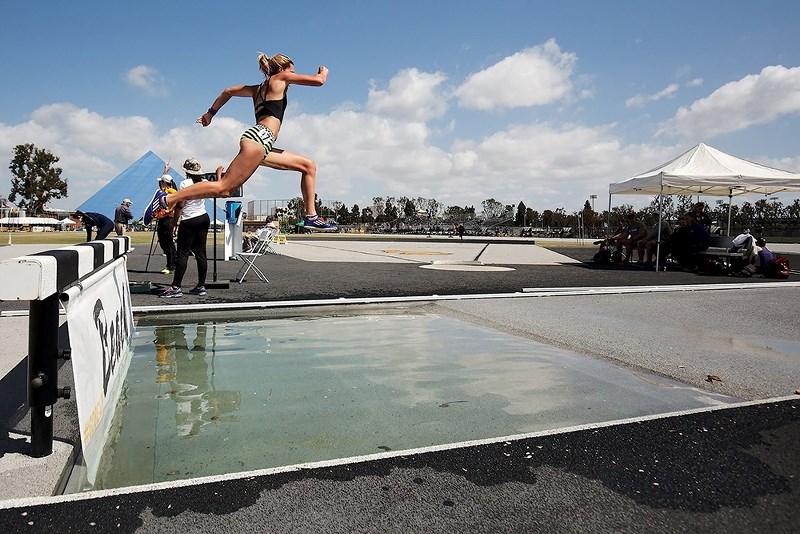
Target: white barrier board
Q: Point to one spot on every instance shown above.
(100, 322)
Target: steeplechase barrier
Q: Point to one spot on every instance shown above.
(52, 278)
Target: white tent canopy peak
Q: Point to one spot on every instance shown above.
(704, 170)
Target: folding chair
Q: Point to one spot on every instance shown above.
(249, 258)
(274, 239)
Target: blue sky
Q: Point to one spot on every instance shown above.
(545, 102)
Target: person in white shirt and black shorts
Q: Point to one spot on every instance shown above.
(192, 230)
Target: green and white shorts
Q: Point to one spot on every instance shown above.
(261, 135)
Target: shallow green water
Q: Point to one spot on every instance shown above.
(224, 397)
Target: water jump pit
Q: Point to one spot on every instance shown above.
(217, 396)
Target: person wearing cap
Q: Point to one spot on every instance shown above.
(91, 220)
(192, 234)
(164, 222)
(122, 215)
(256, 143)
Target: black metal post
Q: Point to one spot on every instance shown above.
(42, 372)
(152, 240)
(214, 222)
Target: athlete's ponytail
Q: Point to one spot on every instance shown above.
(270, 65)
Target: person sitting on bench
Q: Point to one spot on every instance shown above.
(637, 231)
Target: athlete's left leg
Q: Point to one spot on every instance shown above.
(289, 161)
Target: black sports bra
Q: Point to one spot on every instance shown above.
(270, 108)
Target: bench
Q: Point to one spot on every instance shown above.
(720, 248)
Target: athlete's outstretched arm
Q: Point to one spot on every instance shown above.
(224, 96)
(291, 77)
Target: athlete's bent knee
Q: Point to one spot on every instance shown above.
(309, 167)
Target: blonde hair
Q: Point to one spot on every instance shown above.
(271, 65)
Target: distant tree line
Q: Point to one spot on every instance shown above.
(36, 181)
(768, 214)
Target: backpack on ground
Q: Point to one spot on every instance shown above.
(603, 256)
(777, 268)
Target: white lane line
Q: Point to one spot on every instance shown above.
(98, 494)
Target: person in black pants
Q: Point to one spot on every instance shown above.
(192, 233)
(164, 223)
(91, 220)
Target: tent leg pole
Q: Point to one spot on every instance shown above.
(658, 236)
(730, 202)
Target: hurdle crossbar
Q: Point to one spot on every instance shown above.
(40, 278)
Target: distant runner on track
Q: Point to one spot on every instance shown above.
(256, 143)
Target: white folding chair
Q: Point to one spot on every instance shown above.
(272, 239)
(249, 258)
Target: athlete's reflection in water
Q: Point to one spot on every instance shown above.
(184, 366)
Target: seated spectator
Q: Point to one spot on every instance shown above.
(650, 245)
(701, 216)
(745, 244)
(636, 231)
(687, 240)
(762, 255)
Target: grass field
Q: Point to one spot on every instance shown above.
(72, 238)
(145, 238)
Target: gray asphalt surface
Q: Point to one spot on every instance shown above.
(731, 469)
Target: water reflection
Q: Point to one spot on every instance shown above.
(185, 360)
(217, 398)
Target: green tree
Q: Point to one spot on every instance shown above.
(454, 212)
(685, 204)
(409, 209)
(492, 209)
(296, 207)
(587, 213)
(431, 206)
(793, 212)
(534, 219)
(548, 218)
(36, 180)
(746, 216)
(390, 212)
(340, 212)
(667, 210)
(619, 215)
(378, 207)
(366, 215)
(522, 214)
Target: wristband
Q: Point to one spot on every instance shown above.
(212, 111)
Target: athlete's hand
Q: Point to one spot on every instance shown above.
(205, 118)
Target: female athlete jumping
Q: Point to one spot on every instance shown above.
(256, 143)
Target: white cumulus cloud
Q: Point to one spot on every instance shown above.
(532, 77)
(147, 79)
(755, 99)
(411, 94)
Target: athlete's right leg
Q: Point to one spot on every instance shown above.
(250, 155)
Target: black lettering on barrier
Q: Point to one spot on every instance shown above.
(112, 338)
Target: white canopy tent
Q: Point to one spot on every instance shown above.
(704, 170)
